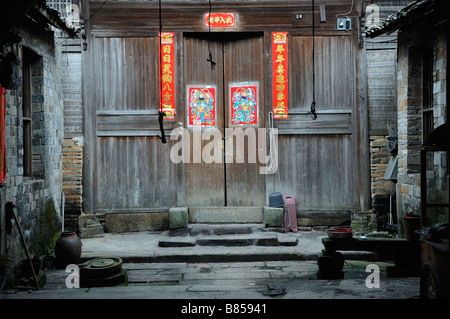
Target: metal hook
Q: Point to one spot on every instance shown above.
(313, 111)
(210, 60)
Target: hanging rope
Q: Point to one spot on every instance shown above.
(160, 60)
(313, 104)
(161, 113)
(210, 59)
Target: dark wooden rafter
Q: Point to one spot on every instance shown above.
(405, 17)
(142, 18)
(52, 17)
(14, 12)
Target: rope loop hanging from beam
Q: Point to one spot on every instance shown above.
(313, 104)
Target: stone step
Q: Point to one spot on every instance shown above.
(177, 242)
(226, 214)
(226, 240)
(224, 229)
(231, 240)
(89, 226)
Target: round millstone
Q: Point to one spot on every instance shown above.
(102, 263)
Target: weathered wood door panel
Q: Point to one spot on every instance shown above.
(203, 182)
(244, 63)
(238, 60)
(132, 170)
(133, 174)
(318, 171)
(319, 160)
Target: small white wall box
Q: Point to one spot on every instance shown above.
(344, 24)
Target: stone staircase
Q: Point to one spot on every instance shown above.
(228, 235)
(227, 227)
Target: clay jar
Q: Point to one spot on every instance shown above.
(67, 249)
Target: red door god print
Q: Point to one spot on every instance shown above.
(244, 105)
(202, 106)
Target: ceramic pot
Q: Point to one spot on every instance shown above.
(411, 223)
(67, 249)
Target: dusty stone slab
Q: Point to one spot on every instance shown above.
(134, 222)
(89, 226)
(226, 240)
(155, 266)
(224, 229)
(243, 273)
(268, 240)
(273, 216)
(241, 280)
(177, 242)
(178, 217)
(229, 214)
(286, 240)
(144, 276)
(323, 218)
(180, 232)
(223, 287)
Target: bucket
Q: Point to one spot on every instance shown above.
(412, 223)
(276, 200)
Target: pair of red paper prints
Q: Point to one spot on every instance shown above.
(243, 97)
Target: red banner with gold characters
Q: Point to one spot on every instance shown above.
(220, 20)
(2, 136)
(280, 75)
(167, 74)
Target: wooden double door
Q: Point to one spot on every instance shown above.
(221, 64)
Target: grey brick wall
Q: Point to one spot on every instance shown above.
(32, 194)
(410, 103)
(73, 134)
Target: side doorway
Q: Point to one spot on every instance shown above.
(231, 85)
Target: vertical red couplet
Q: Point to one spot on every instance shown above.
(280, 75)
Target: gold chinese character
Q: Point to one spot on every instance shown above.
(167, 96)
(166, 49)
(166, 58)
(167, 78)
(280, 78)
(280, 49)
(280, 96)
(166, 87)
(280, 87)
(166, 68)
(280, 58)
(280, 69)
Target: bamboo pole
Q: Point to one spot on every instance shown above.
(24, 245)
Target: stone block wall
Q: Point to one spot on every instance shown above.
(73, 144)
(379, 160)
(33, 194)
(382, 105)
(381, 89)
(381, 189)
(410, 105)
(72, 181)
